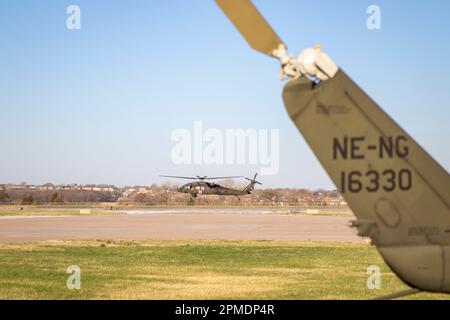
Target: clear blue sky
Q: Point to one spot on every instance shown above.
(99, 104)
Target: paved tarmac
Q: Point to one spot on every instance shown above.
(180, 224)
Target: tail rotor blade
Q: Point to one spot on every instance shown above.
(254, 180)
(251, 24)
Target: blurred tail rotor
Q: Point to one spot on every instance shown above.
(312, 63)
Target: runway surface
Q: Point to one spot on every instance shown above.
(179, 224)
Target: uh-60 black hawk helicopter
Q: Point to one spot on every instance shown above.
(200, 186)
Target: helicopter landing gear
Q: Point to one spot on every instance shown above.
(191, 200)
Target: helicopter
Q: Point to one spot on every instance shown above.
(399, 194)
(203, 187)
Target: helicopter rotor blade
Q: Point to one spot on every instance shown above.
(217, 178)
(178, 177)
(202, 178)
(251, 24)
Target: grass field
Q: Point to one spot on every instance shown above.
(340, 213)
(194, 270)
(44, 210)
(35, 211)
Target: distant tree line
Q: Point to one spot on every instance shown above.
(260, 197)
(31, 196)
(166, 195)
